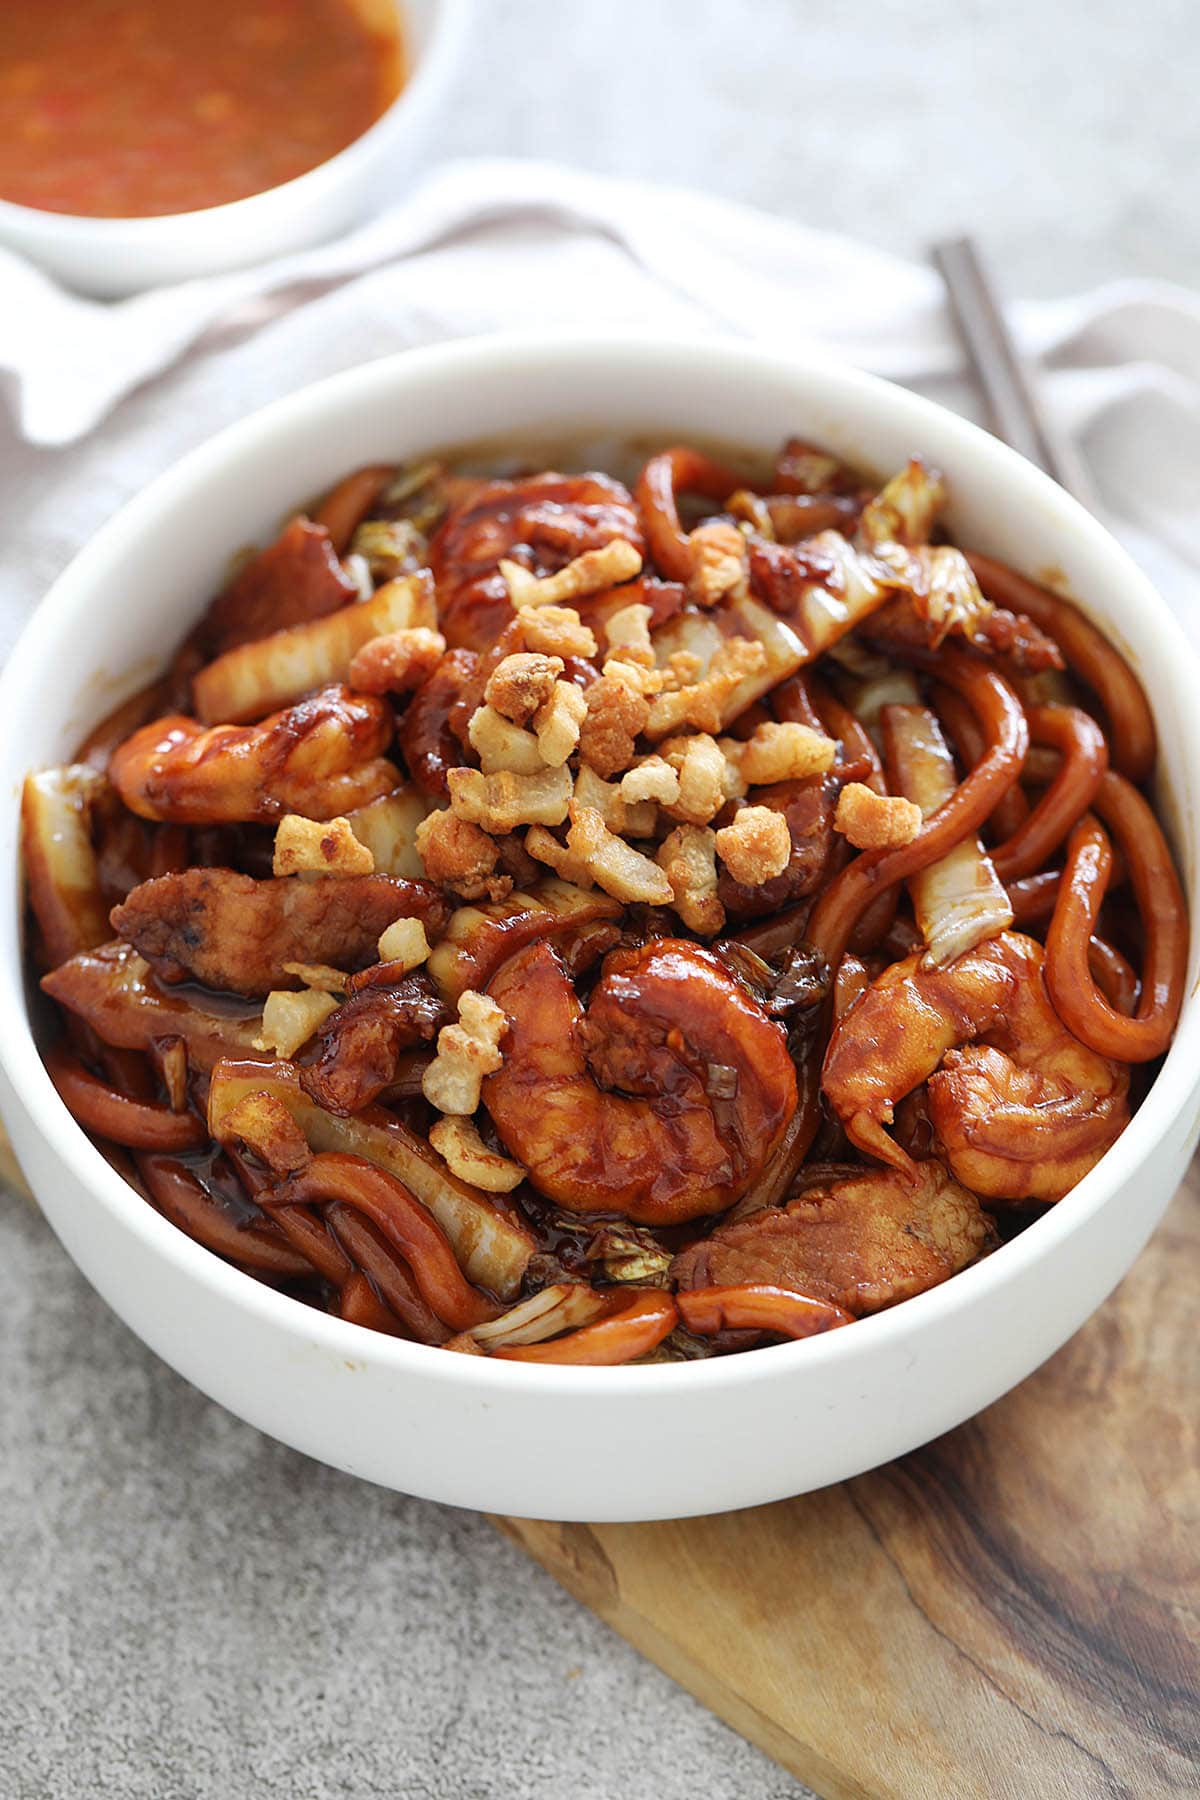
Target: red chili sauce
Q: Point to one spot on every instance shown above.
(126, 108)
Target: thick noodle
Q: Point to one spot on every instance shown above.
(1006, 733)
(1089, 654)
(1163, 912)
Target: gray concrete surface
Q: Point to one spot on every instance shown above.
(1066, 130)
(190, 1612)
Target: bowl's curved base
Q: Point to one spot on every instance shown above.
(540, 1455)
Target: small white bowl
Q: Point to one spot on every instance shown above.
(575, 1443)
(110, 258)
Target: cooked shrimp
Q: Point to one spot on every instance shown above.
(319, 758)
(662, 1102)
(1022, 1109)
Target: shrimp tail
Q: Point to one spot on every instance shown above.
(869, 1135)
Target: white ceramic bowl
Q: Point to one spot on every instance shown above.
(114, 257)
(574, 1443)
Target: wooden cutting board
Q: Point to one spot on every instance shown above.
(1011, 1613)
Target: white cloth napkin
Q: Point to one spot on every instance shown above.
(117, 391)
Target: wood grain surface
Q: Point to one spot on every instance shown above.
(1010, 1613)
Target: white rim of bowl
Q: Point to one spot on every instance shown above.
(431, 68)
(21, 1059)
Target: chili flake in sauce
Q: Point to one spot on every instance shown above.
(127, 108)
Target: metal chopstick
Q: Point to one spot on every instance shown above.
(1001, 372)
